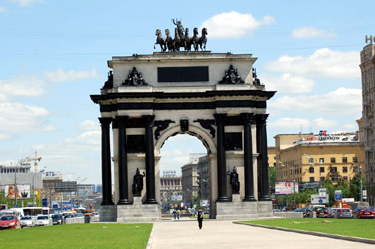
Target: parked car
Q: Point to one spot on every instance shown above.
(43, 220)
(57, 219)
(367, 213)
(332, 212)
(301, 210)
(312, 209)
(321, 213)
(357, 210)
(9, 221)
(27, 221)
(344, 213)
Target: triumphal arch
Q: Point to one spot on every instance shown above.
(215, 97)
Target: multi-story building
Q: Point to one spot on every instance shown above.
(190, 186)
(170, 185)
(203, 178)
(83, 191)
(49, 187)
(310, 159)
(271, 156)
(368, 106)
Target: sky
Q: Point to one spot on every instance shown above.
(53, 56)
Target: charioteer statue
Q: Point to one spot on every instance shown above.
(234, 182)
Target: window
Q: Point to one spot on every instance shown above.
(274, 164)
(311, 169)
(344, 159)
(335, 179)
(355, 169)
(333, 160)
(345, 178)
(321, 160)
(333, 169)
(311, 160)
(355, 160)
(322, 179)
(345, 169)
(312, 179)
(274, 158)
(321, 169)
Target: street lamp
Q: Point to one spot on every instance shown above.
(360, 183)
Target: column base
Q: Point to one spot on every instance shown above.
(222, 199)
(265, 198)
(249, 198)
(151, 201)
(123, 202)
(106, 203)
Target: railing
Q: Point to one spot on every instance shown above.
(291, 215)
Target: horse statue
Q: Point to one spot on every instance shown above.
(168, 41)
(160, 40)
(187, 40)
(177, 42)
(203, 39)
(195, 39)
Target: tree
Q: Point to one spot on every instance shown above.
(355, 186)
(272, 178)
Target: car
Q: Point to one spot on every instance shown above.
(344, 213)
(332, 212)
(301, 210)
(27, 221)
(321, 213)
(357, 210)
(79, 215)
(9, 221)
(367, 213)
(312, 209)
(43, 220)
(57, 219)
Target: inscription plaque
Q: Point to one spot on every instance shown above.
(182, 74)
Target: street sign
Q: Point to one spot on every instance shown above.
(320, 201)
(338, 195)
(322, 192)
(316, 198)
(364, 194)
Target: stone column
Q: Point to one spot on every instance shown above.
(247, 119)
(263, 155)
(150, 161)
(221, 159)
(106, 162)
(122, 161)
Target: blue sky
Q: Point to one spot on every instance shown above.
(53, 55)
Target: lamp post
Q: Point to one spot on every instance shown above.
(360, 183)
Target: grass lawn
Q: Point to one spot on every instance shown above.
(78, 236)
(347, 227)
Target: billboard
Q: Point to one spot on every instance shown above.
(286, 188)
(22, 191)
(68, 186)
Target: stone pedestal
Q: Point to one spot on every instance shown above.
(239, 210)
(108, 213)
(138, 212)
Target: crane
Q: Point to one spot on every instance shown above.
(36, 159)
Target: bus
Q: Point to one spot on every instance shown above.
(34, 211)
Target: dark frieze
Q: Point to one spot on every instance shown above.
(231, 77)
(207, 124)
(161, 125)
(134, 79)
(181, 39)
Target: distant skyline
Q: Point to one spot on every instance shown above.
(54, 54)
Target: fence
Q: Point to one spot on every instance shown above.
(291, 215)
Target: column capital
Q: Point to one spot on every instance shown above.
(261, 119)
(105, 121)
(220, 117)
(121, 120)
(149, 119)
(247, 117)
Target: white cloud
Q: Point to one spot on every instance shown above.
(3, 98)
(343, 101)
(350, 127)
(310, 32)
(3, 10)
(287, 83)
(68, 76)
(4, 136)
(89, 125)
(18, 117)
(26, 3)
(323, 63)
(290, 123)
(24, 85)
(233, 24)
(321, 123)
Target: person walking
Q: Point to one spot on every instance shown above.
(174, 214)
(200, 218)
(178, 214)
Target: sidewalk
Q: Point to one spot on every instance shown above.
(185, 233)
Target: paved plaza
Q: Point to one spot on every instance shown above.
(184, 233)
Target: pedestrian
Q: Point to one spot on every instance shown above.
(200, 218)
(178, 214)
(174, 214)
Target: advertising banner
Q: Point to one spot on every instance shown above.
(22, 191)
(286, 188)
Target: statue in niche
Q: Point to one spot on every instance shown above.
(234, 182)
(256, 81)
(137, 186)
(109, 83)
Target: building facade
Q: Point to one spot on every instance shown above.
(170, 186)
(190, 187)
(271, 156)
(311, 159)
(203, 178)
(368, 106)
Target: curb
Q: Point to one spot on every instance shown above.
(149, 243)
(333, 236)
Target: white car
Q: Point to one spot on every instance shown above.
(43, 220)
(27, 221)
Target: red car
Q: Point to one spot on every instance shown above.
(366, 213)
(9, 221)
